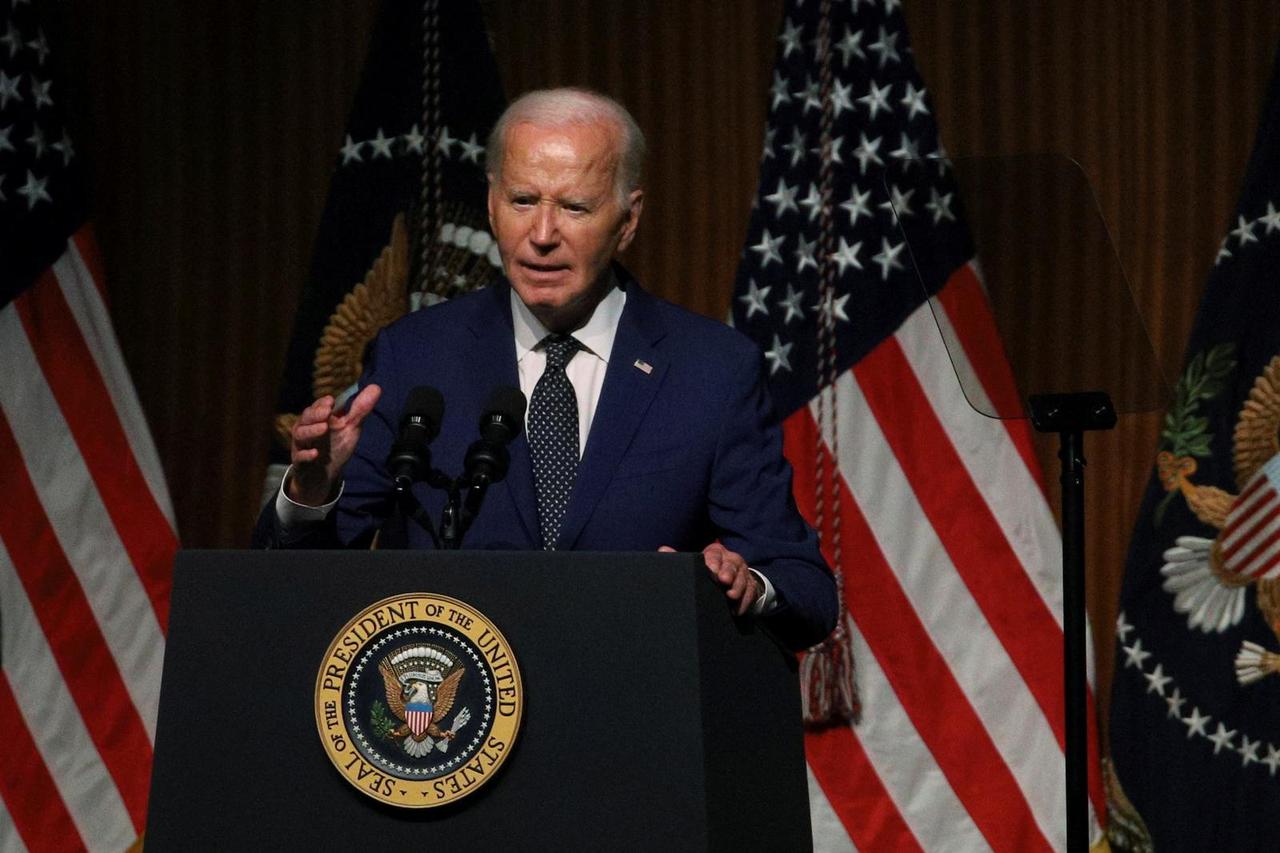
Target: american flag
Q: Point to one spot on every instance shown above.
(950, 555)
(86, 529)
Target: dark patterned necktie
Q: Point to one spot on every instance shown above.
(553, 436)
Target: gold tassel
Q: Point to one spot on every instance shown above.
(828, 689)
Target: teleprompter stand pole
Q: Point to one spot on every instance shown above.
(1070, 415)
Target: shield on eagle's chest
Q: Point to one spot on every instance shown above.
(1250, 541)
(418, 716)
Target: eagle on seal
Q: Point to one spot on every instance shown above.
(420, 698)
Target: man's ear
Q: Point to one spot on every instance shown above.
(635, 205)
(489, 198)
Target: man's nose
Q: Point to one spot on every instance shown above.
(545, 231)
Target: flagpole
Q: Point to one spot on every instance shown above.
(1070, 415)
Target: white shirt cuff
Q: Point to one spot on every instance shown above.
(293, 515)
(767, 600)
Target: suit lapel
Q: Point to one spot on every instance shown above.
(495, 356)
(627, 393)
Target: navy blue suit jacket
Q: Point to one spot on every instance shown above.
(682, 454)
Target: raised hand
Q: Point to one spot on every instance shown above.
(321, 443)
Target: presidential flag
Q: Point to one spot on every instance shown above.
(86, 530)
(857, 264)
(411, 162)
(1195, 729)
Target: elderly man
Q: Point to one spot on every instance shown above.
(648, 426)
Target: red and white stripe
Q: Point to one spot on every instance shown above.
(418, 721)
(952, 566)
(86, 550)
(1250, 544)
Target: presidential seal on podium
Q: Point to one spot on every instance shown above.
(418, 700)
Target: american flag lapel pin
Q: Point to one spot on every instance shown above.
(643, 366)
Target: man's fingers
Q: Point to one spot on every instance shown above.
(724, 564)
(732, 572)
(357, 410)
(309, 432)
(749, 595)
(317, 412)
(725, 574)
(360, 406)
(363, 403)
(666, 549)
(713, 556)
(310, 439)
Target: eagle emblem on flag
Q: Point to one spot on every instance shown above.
(1208, 577)
(421, 683)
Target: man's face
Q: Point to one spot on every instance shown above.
(557, 219)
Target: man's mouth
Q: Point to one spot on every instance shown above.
(543, 270)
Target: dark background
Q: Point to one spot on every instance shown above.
(212, 130)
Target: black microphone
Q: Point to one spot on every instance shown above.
(410, 457)
(487, 460)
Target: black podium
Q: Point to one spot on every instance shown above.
(653, 720)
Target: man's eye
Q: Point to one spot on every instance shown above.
(577, 208)
(523, 201)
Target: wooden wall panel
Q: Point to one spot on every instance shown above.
(214, 127)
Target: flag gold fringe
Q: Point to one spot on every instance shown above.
(828, 688)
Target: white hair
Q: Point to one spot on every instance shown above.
(579, 107)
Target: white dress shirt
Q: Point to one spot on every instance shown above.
(587, 367)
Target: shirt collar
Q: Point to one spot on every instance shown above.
(596, 336)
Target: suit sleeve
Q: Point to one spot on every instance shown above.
(752, 507)
(269, 534)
